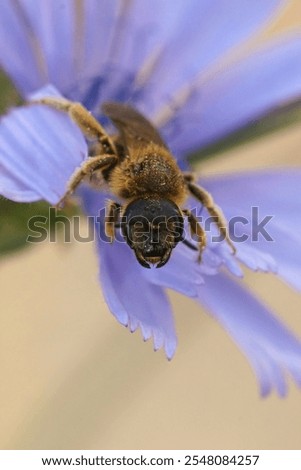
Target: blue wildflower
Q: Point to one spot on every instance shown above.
(180, 63)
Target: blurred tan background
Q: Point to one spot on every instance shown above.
(73, 378)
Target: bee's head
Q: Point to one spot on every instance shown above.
(152, 228)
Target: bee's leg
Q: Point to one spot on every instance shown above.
(190, 245)
(83, 118)
(88, 166)
(206, 199)
(188, 177)
(113, 211)
(196, 229)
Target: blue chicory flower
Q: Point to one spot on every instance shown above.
(175, 62)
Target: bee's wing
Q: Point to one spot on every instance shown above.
(133, 127)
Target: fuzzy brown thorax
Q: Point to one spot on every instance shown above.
(150, 171)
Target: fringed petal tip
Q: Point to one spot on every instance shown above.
(160, 340)
(269, 373)
(169, 344)
(276, 192)
(132, 299)
(272, 350)
(229, 259)
(257, 260)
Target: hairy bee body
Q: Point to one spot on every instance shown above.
(139, 170)
(150, 172)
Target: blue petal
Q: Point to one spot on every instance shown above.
(20, 51)
(256, 260)
(208, 29)
(276, 193)
(47, 44)
(182, 273)
(132, 299)
(73, 42)
(236, 95)
(119, 72)
(269, 346)
(39, 151)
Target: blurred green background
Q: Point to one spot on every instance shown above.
(71, 377)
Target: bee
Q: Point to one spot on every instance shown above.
(144, 177)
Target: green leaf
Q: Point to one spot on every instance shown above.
(14, 222)
(272, 122)
(9, 95)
